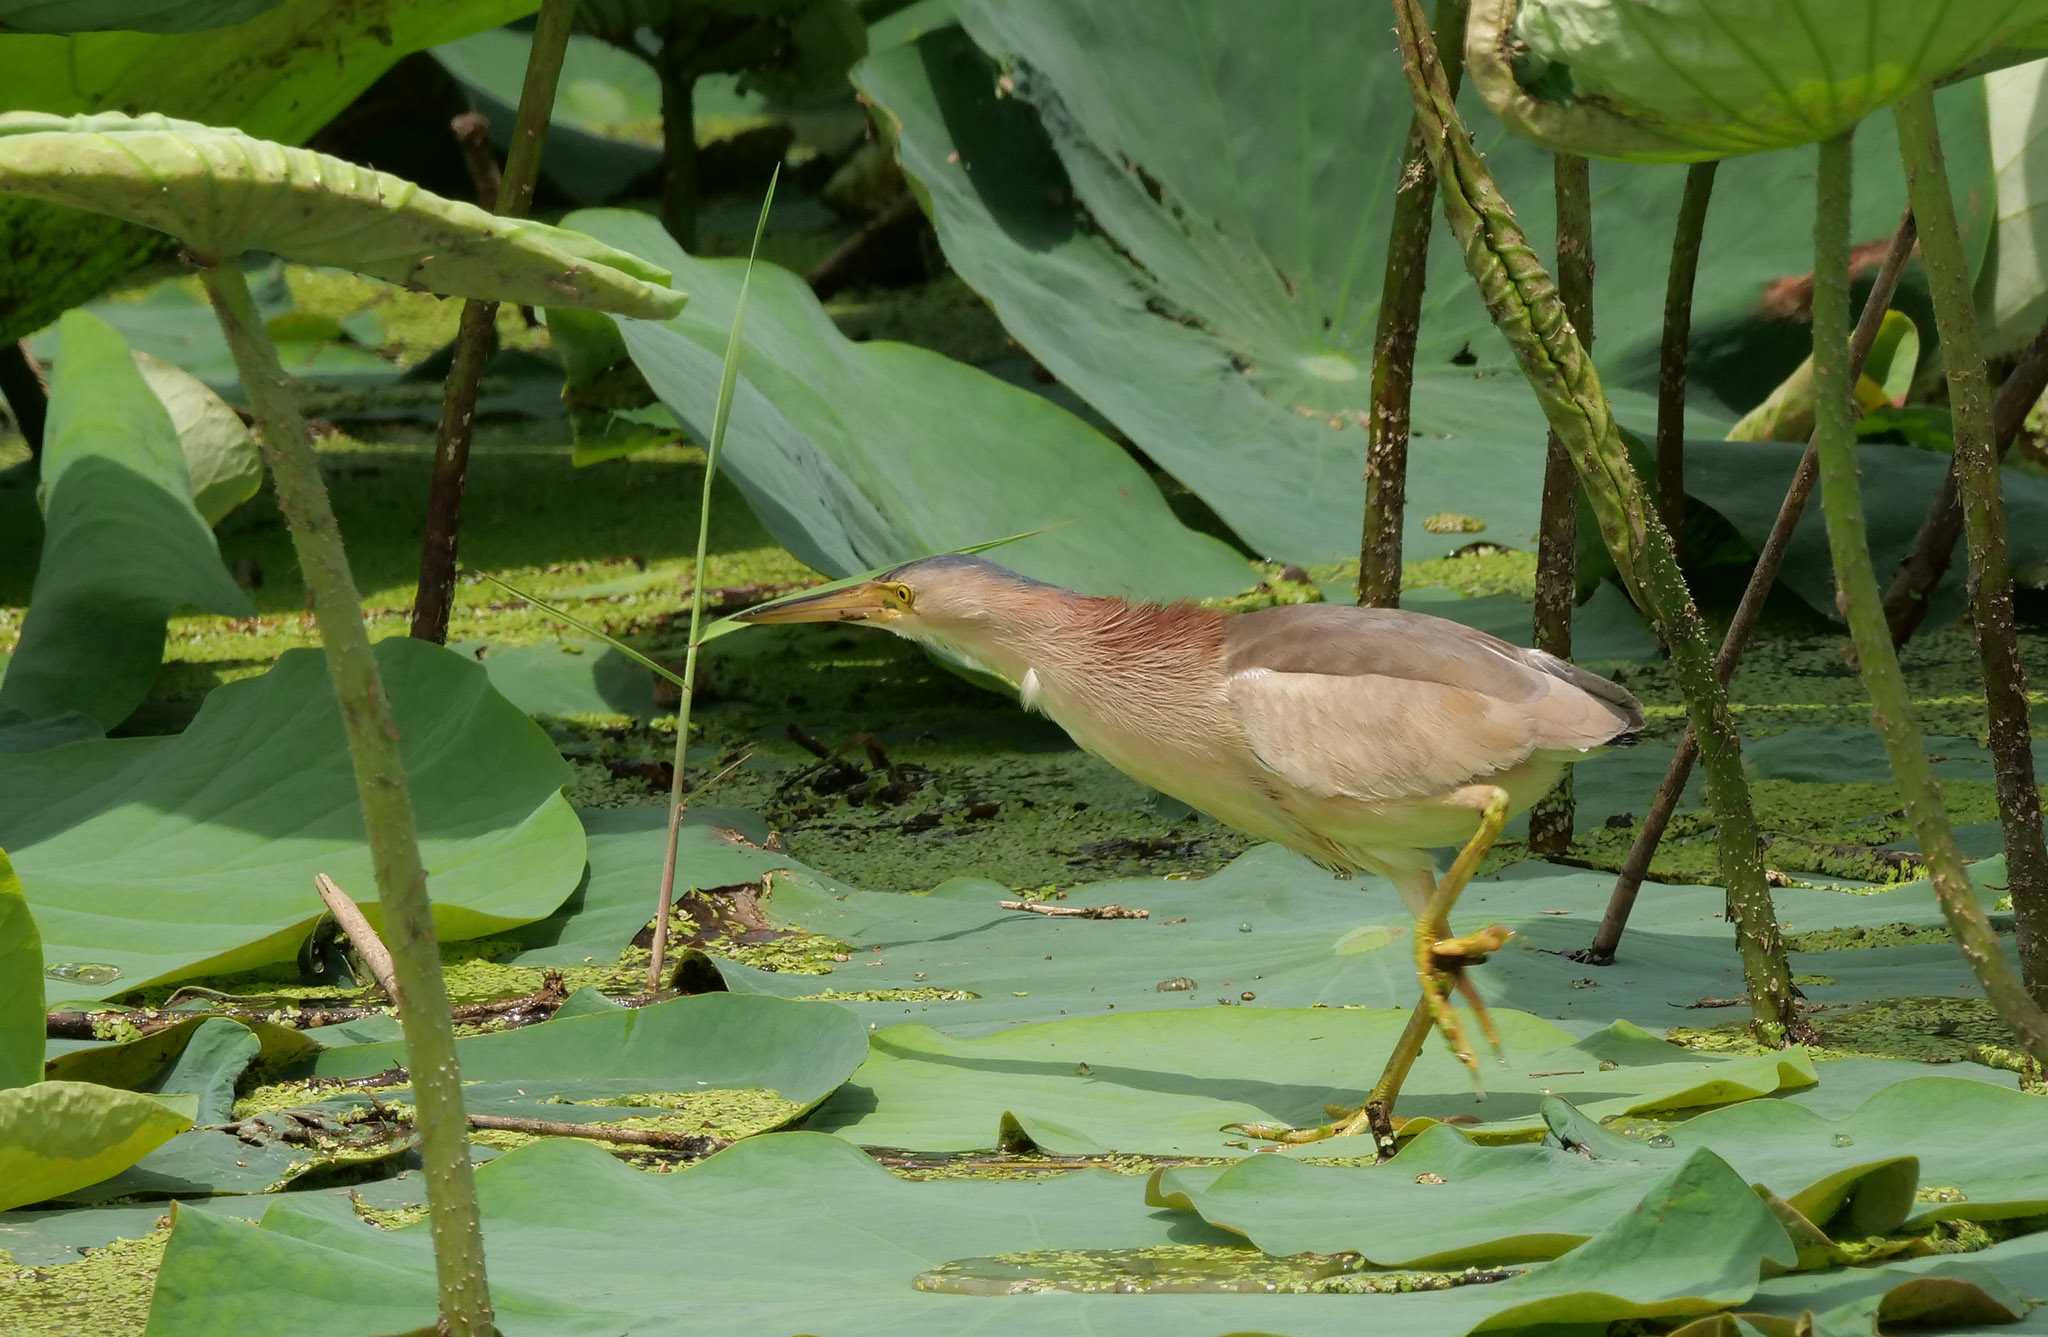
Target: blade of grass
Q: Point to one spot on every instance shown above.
(728, 378)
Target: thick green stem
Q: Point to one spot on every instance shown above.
(1856, 582)
(434, 598)
(1674, 351)
(372, 735)
(1525, 306)
(1393, 345)
(1990, 575)
(1557, 536)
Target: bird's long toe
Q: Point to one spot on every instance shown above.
(1441, 963)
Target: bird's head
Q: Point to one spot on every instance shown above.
(963, 603)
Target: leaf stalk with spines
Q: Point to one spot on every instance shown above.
(1990, 575)
(1856, 586)
(1388, 422)
(1526, 308)
(434, 597)
(1557, 531)
(386, 800)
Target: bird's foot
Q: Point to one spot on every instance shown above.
(1440, 963)
(1372, 1118)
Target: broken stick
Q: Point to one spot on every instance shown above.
(364, 938)
(1074, 911)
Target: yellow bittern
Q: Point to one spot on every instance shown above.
(1360, 737)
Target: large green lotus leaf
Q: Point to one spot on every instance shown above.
(855, 455)
(21, 985)
(223, 466)
(281, 75)
(222, 192)
(1177, 220)
(802, 1051)
(1476, 1208)
(123, 545)
(1272, 924)
(1165, 1083)
(1696, 1243)
(2012, 287)
(59, 1136)
(169, 858)
(1941, 1294)
(795, 1233)
(569, 677)
(1744, 482)
(1686, 81)
(157, 16)
(1860, 1171)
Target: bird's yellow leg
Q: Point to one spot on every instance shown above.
(1375, 1116)
(1439, 958)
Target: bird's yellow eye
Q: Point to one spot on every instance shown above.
(900, 597)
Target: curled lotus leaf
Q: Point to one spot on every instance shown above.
(174, 16)
(221, 192)
(1691, 80)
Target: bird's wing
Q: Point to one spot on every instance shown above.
(1381, 704)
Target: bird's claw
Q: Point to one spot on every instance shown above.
(1370, 1118)
(1440, 963)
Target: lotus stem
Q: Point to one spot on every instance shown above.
(1557, 535)
(434, 599)
(1674, 351)
(1763, 578)
(1393, 343)
(1525, 306)
(1856, 581)
(1975, 469)
(381, 790)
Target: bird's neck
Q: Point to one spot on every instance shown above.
(1099, 651)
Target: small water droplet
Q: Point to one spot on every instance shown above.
(1244, 928)
(1663, 1140)
(1844, 1140)
(83, 972)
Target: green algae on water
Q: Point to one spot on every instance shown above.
(1180, 1269)
(105, 1293)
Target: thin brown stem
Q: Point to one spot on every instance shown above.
(360, 934)
(1675, 349)
(1074, 911)
(1848, 542)
(434, 599)
(678, 77)
(386, 801)
(1926, 562)
(1763, 578)
(1557, 539)
(1975, 469)
(1393, 346)
(693, 1145)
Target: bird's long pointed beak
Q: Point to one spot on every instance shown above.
(851, 604)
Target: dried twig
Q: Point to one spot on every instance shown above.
(364, 938)
(523, 1010)
(1074, 911)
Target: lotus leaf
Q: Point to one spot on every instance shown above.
(21, 985)
(222, 192)
(160, 16)
(123, 545)
(223, 466)
(1176, 220)
(169, 858)
(281, 75)
(60, 1136)
(855, 455)
(1164, 1083)
(1692, 80)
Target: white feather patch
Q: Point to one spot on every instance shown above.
(1030, 690)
